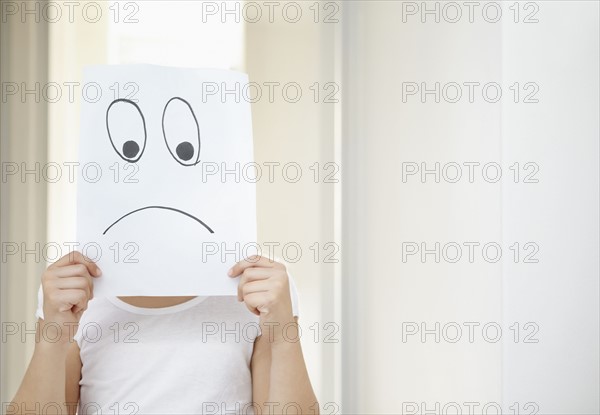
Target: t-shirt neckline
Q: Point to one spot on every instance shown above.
(156, 311)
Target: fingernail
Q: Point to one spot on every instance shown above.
(230, 272)
(98, 272)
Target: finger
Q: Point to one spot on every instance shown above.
(80, 283)
(256, 274)
(76, 270)
(253, 301)
(253, 261)
(256, 287)
(76, 257)
(73, 298)
(253, 274)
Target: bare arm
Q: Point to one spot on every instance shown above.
(51, 382)
(73, 368)
(280, 378)
(44, 383)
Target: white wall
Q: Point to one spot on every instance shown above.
(560, 134)
(381, 373)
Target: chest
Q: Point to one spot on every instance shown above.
(203, 354)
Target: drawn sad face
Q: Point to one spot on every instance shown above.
(165, 208)
(128, 135)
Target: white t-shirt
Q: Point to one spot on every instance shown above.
(189, 358)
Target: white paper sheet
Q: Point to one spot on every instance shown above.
(166, 199)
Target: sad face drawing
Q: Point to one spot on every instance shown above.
(186, 153)
(170, 195)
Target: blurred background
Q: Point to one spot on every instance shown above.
(447, 208)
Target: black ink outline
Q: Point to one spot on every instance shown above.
(143, 122)
(197, 128)
(160, 207)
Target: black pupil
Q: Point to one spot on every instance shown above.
(185, 151)
(130, 149)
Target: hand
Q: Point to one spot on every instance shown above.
(264, 287)
(68, 286)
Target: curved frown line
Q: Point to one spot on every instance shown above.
(159, 207)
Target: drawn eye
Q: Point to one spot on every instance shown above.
(181, 131)
(126, 129)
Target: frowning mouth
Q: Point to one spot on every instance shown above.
(159, 207)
